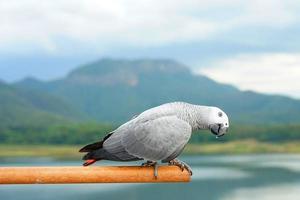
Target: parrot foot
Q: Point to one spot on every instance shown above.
(182, 165)
(152, 164)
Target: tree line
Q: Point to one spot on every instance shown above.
(82, 133)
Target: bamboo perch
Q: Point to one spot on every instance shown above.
(93, 174)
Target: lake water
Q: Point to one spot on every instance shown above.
(247, 177)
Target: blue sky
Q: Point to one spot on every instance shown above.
(251, 44)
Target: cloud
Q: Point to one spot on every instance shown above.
(47, 38)
(267, 72)
(34, 25)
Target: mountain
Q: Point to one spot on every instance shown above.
(115, 90)
(30, 107)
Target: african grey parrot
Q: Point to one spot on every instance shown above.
(157, 134)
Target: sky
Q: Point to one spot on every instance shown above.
(254, 45)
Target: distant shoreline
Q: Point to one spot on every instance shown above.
(234, 147)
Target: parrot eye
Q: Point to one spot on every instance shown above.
(220, 114)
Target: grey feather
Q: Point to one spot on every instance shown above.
(152, 135)
(175, 154)
(157, 139)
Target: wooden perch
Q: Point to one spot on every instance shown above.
(93, 174)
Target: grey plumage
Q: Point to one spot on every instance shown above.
(159, 133)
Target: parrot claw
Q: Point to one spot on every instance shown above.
(182, 165)
(152, 164)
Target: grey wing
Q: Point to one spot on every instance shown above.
(156, 139)
(115, 150)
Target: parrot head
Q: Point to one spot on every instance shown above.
(218, 122)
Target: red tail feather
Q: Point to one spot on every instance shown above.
(89, 162)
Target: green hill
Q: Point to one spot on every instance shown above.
(114, 90)
(23, 107)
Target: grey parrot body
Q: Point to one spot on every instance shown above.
(159, 133)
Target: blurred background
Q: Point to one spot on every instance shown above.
(71, 71)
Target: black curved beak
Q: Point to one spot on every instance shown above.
(218, 129)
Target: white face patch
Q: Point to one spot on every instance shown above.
(217, 116)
